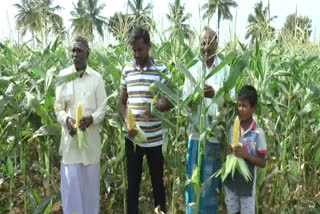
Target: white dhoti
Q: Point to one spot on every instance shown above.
(80, 188)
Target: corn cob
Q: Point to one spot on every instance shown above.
(232, 163)
(131, 122)
(235, 132)
(78, 114)
(80, 137)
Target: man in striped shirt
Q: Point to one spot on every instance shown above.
(136, 97)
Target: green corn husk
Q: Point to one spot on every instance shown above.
(140, 137)
(232, 164)
(81, 139)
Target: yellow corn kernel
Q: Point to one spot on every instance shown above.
(131, 122)
(235, 132)
(78, 114)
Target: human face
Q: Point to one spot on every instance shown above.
(208, 45)
(79, 55)
(245, 109)
(140, 52)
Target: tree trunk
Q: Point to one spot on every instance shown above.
(219, 19)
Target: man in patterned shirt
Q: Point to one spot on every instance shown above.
(136, 97)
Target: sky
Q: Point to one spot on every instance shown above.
(279, 8)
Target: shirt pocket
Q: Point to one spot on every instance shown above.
(89, 102)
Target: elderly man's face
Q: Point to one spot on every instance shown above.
(208, 46)
(80, 55)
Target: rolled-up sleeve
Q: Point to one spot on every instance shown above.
(101, 100)
(60, 106)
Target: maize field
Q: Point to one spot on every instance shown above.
(285, 73)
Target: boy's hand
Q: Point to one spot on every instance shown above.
(241, 152)
(229, 149)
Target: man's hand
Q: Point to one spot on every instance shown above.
(70, 125)
(229, 149)
(209, 91)
(241, 152)
(132, 133)
(85, 122)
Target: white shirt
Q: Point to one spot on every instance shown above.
(90, 92)
(216, 81)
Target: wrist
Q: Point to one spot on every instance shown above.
(158, 106)
(67, 120)
(248, 157)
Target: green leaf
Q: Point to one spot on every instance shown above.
(4, 100)
(170, 94)
(306, 109)
(155, 112)
(307, 63)
(182, 69)
(5, 81)
(10, 167)
(47, 130)
(316, 156)
(34, 105)
(225, 62)
(81, 139)
(38, 72)
(66, 78)
(260, 178)
(294, 168)
(46, 204)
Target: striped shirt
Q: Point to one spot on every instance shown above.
(137, 83)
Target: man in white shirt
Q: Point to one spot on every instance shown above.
(211, 159)
(80, 168)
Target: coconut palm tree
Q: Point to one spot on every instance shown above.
(298, 26)
(142, 15)
(87, 18)
(39, 17)
(177, 18)
(259, 23)
(222, 7)
(119, 25)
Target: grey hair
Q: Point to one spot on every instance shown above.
(82, 40)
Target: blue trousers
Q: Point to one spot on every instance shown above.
(209, 165)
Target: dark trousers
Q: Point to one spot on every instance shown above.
(134, 172)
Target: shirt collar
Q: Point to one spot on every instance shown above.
(252, 127)
(149, 64)
(85, 72)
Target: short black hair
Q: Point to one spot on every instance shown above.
(138, 33)
(249, 93)
(82, 40)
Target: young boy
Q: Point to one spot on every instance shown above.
(239, 194)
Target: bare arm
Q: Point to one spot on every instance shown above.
(123, 103)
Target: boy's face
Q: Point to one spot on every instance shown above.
(245, 109)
